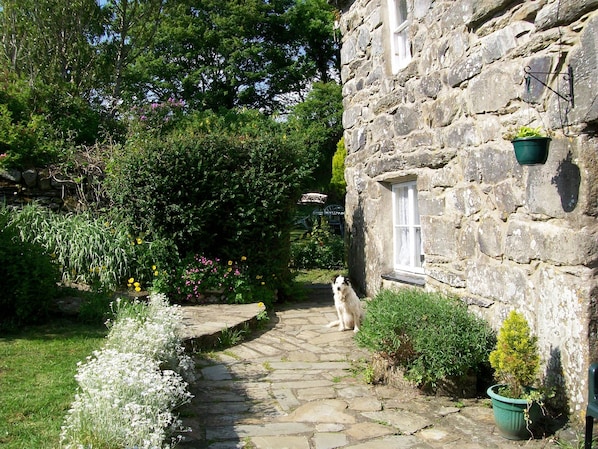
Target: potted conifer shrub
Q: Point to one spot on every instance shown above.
(530, 145)
(516, 361)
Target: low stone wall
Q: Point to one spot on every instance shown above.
(21, 187)
(499, 235)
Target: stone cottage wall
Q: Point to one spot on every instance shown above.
(499, 235)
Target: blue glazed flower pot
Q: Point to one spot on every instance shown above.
(531, 150)
(510, 415)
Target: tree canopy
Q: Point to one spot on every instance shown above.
(212, 54)
(74, 72)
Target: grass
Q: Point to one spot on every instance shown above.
(37, 384)
(231, 337)
(316, 276)
(37, 369)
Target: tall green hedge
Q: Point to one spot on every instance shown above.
(218, 195)
(28, 278)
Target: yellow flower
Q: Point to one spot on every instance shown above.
(263, 283)
(261, 305)
(243, 258)
(131, 280)
(137, 289)
(230, 262)
(156, 273)
(137, 285)
(154, 268)
(139, 241)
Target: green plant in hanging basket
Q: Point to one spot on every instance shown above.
(524, 132)
(530, 145)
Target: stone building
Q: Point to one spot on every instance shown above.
(435, 196)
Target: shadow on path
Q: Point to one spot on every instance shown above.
(297, 384)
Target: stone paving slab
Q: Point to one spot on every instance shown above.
(296, 385)
(203, 324)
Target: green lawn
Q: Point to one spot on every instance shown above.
(317, 276)
(37, 384)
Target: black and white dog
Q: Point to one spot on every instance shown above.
(348, 306)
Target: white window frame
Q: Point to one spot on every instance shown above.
(398, 24)
(406, 228)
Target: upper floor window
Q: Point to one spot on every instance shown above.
(398, 24)
(407, 237)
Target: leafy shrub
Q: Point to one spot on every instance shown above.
(93, 250)
(222, 196)
(156, 118)
(431, 336)
(201, 280)
(38, 123)
(28, 143)
(27, 277)
(338, 185)
(515, 359)
(94, 307)
(319, 249)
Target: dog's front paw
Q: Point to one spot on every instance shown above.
(341, 328)
(355, 329)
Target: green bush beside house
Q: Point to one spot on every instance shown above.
(432, 337)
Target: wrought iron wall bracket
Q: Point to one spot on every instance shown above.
(567, 77)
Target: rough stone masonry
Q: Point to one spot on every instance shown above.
(497, 234)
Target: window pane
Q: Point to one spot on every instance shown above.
(400, 45)
(402, 253)
(401, 9)
(415, 206)
(407, 245)
(418, 257)
(398, 22)
(402, 202)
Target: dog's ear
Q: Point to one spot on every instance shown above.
(346, 281)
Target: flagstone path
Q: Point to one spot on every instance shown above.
(299, 385)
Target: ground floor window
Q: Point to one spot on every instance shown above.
(407, 238)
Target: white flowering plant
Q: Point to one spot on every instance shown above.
(129, 389)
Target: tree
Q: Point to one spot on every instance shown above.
(313, 24)
(131, 27)
(52, 41)
(217, 54)
(317, 122)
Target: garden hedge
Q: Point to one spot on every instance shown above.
(219, 195)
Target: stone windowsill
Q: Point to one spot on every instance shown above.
(405, 277)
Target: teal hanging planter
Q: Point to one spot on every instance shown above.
(531, 150)
(514, 417)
